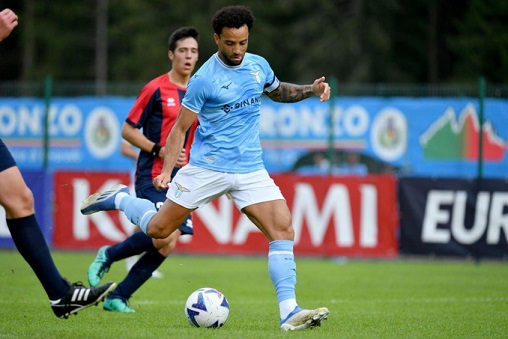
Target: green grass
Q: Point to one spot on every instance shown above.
(367, 299)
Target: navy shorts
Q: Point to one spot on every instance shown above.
(6, 159)
(149, 192)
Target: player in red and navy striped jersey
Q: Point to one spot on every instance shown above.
(155, 112)
(147, 127)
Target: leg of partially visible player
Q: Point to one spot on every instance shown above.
(17, 199)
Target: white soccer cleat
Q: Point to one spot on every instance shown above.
(301, 319)
(102, 201)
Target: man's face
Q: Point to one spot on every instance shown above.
(185, 56)
(232, 43)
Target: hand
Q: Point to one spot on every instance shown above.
(161, 182)
(321, 89)
(182, 159)
(8, 20)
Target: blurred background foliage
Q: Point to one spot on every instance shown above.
(357, 41)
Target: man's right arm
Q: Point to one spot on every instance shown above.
(8, 20)
(174, 145)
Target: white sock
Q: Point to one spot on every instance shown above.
(287, 306)
(118, 199)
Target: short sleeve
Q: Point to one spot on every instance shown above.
(196, 94)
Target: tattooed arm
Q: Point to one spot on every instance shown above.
(293, 93)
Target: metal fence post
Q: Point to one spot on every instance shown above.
(331, 149)
(48, 85)
(481, 97)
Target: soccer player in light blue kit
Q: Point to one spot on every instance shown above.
(226, 157)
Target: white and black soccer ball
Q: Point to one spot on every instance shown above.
(207, 307)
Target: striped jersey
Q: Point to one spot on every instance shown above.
(155, 112)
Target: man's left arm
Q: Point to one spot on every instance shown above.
(288, 93)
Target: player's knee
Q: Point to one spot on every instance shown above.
(285, 228)
(156, 232)
(285, 223)
(282, 230)
(289, 232)
(26, 198)
(22, 204)
(157, 227)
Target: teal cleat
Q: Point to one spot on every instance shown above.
(117, 305)
(100, 265)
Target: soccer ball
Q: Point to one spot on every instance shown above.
(207, 307)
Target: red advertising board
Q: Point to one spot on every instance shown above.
(332, 216)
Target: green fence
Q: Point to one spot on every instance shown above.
(71, 89)
(480, 90)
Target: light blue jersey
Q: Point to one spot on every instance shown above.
(227, 100)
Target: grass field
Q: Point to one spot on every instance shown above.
(367, 299)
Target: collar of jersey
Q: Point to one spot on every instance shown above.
(227, 66)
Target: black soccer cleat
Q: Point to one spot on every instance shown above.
(79, 297)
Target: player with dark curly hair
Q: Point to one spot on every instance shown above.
(226, 157)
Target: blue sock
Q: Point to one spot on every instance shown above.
(282, 269)
(138, 274)
(138, 211)
(30, 242)
(137, 243)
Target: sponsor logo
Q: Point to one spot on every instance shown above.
(227, 86)
(102, 133)
(247, 102)
(447, 216)
(209, 160)
(389, 134)
(171, 102)
(460, 137)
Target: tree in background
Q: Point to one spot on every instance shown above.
(358, 41)
(481, 45)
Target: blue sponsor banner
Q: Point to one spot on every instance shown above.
(453, 217)
(40, 184)
(416, 136)
(83, 132)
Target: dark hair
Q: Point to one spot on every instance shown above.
(232, 17)
(182, 33)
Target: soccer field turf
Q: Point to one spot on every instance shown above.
(367, 299)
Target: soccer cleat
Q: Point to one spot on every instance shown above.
(100, 265)
(117, 305)
(102, 201)
(79, 297)
(301, 319)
